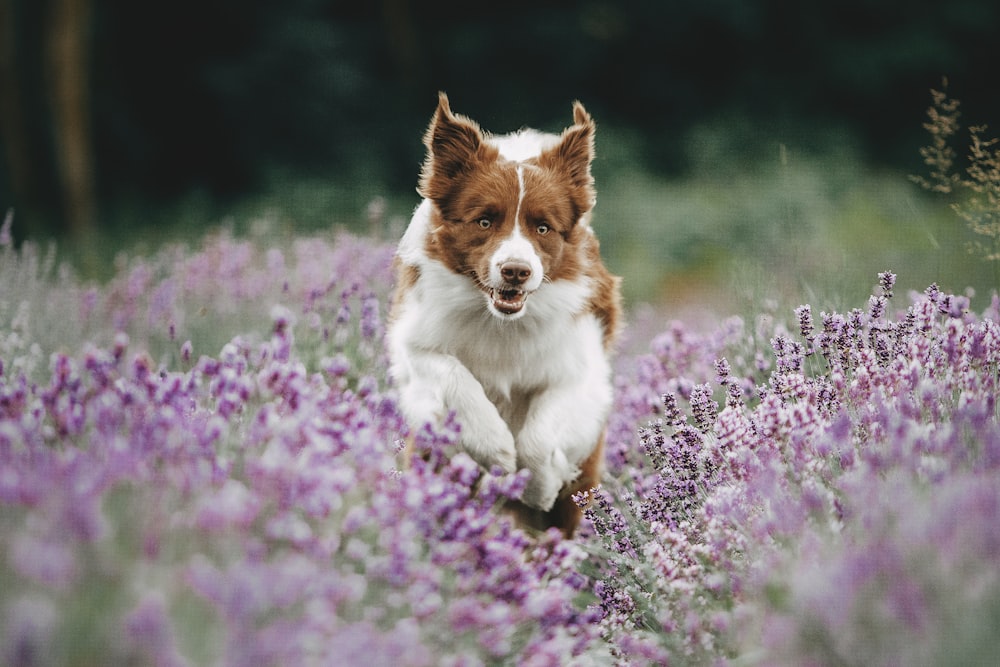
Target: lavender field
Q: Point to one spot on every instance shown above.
(199, 466)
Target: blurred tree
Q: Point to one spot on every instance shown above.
(10, 108)
(68, 52)
(50, 164)
(21, 169)
(217, 96)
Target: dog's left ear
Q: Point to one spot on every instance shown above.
(574, 153)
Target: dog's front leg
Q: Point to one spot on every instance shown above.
(564, 425)
(433, 384)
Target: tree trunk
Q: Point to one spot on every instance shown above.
(68, 59)
(13, 129)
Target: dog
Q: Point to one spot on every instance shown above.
(504, 312)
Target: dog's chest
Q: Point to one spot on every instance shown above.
(514, 366)
(511, 356)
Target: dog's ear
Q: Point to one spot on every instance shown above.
(454, 144)
(573, 154)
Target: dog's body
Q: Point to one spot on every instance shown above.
(504, 312)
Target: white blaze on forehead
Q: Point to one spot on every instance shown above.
(517, 247)
(523, 145)
(520, 198)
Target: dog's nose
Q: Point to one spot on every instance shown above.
(515, 273)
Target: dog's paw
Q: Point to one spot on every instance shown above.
(490, 445)
(541, 491)
(505, 459)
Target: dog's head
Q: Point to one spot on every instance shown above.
(510, 211)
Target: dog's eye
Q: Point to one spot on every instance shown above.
(542, 229)
(484, 223)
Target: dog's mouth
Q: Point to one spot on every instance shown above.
(508, 300)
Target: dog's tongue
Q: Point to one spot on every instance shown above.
(509, 302)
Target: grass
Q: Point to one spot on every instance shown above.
(796, 228)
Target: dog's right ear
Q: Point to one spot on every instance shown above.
(454, 144)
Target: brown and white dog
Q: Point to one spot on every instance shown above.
(504, 312)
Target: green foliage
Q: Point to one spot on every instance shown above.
(778, 221)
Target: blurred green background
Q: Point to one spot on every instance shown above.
(745, 149)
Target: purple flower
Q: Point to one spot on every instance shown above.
(149, 628)
(50, 561)
(886, 281)
(842, 504)
(876, 307)
(232, 505)
(804, 315)
(186, 350)
(703, 408)
(30, 636)
(6, 238)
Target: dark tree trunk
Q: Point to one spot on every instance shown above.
(68, 59)
(14, 133)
